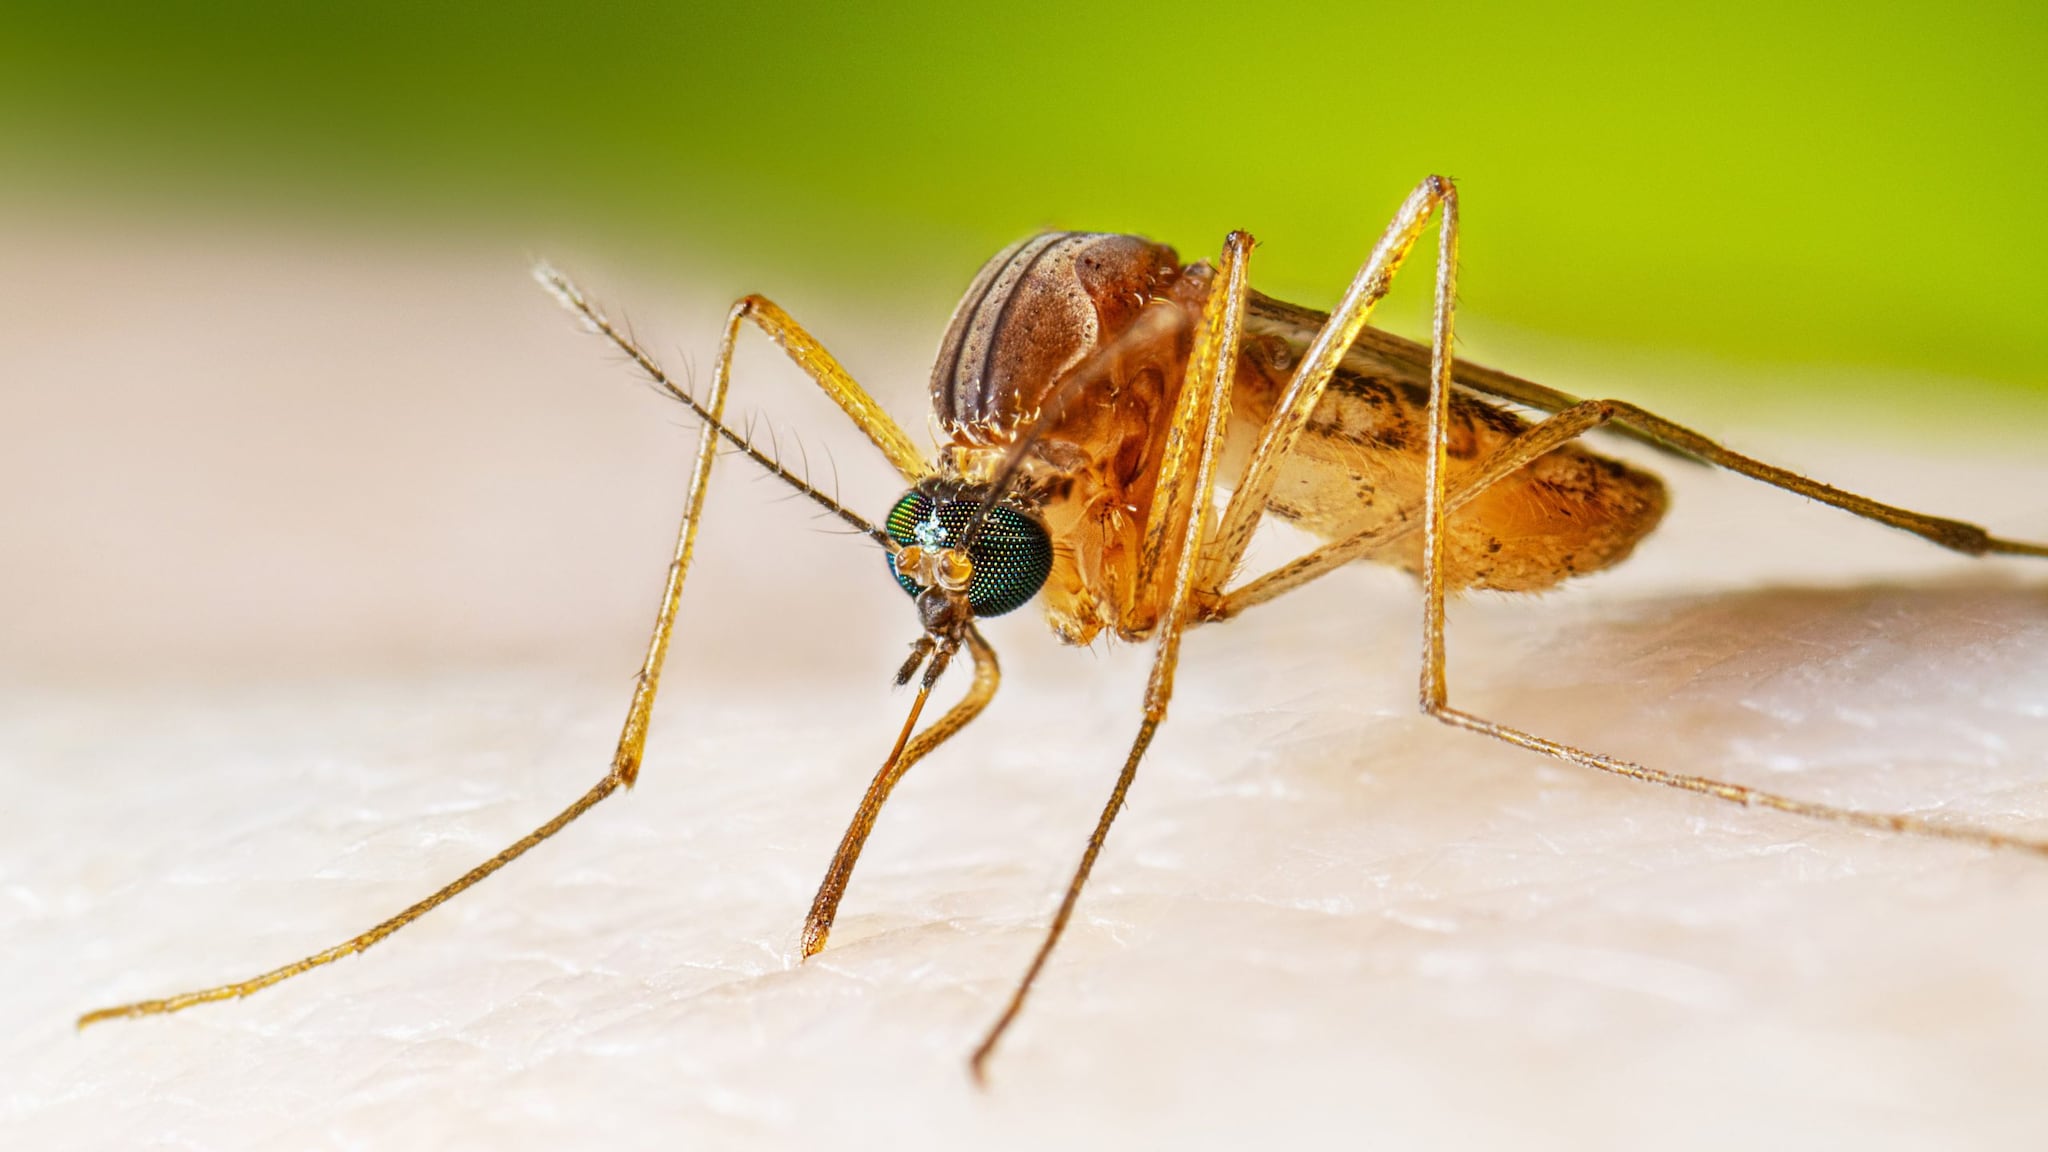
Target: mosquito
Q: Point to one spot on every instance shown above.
(1096, 396)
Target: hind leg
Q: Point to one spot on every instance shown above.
(1442, 496)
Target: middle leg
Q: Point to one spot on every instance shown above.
(1215, 353)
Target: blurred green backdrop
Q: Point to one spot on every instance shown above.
(1815, 183)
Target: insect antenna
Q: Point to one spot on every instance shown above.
(565, 291)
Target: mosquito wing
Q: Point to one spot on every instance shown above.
(1386, 356)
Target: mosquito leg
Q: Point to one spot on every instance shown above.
(873, 420)
(625, 765)
(1435, 696)
(1176, 491)
(1214, 355)
(1222, 551)
(987, 677)
(1954, 535)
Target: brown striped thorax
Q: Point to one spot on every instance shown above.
(1071, 348)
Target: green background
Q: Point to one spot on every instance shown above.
(1843, 184)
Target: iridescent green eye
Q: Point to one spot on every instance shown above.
(1012, 554)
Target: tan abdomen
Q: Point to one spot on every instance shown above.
(1361, 459)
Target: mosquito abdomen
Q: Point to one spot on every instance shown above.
(1361, 459)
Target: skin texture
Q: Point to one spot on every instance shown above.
(1324, 917)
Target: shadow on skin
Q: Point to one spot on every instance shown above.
(1891, 695)
(1905, 695)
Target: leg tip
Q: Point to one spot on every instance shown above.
(815, 936)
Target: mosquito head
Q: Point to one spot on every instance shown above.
(957, 571)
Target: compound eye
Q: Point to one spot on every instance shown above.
(1011, 555)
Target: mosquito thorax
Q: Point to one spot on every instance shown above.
(1037, 309)
(997, 571)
